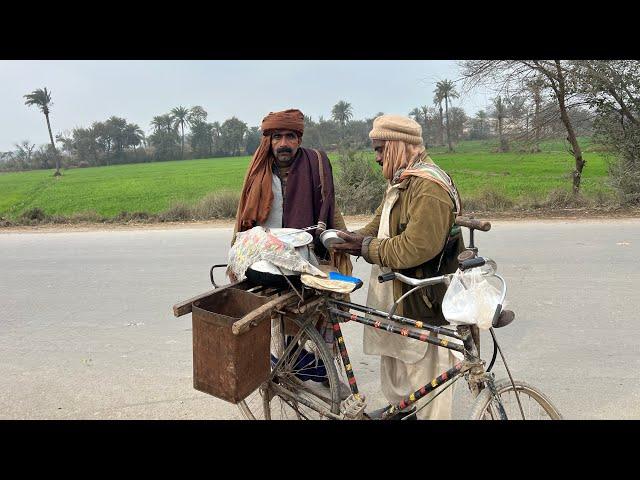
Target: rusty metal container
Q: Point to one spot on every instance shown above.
(225, 365)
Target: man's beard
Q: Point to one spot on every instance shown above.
(285, 161)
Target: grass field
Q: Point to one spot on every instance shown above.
(147, 187)
(521, 176)
(154, 187)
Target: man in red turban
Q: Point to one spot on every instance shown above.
(289, 186)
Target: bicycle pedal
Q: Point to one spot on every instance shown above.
(352, 408)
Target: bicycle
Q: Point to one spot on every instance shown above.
(304, 380)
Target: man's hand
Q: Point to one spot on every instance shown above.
(352, 244)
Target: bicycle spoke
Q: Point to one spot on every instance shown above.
(298, 386)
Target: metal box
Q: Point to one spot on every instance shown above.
(225, 365)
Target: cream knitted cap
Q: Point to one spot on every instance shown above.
(396, 127)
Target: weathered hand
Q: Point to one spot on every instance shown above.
(352, 244)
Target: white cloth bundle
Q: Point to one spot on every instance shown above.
(257, 244)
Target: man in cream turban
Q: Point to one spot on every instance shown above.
(411, 234)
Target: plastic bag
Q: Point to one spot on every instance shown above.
(470, 299)
(257, 244)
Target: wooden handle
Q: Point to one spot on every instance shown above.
(482, 225)
(254, 318)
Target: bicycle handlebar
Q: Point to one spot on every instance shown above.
(472, 263)
(385, 277)
(482, 225)
(423, 282)
(416, 282)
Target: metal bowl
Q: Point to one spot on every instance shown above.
(330, 238)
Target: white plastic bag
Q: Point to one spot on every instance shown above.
(470, 299)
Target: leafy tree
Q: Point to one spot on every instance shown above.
(197, 114)
(479, 125)
(252, 140)
(612, 90)
(24, 153)
(458, 120)
(232, 135)
(201, 138)
(561, 79)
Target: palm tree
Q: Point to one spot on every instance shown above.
(481, 116)
(425, 116)
(42, 99)
(134, 135)
(163, 122)
(437, 100)
(535, 86)
(216, 134)
(421, 115)
(342, 113)
(500, 113)
(416, 113)
(116, 127)
(447, 91)
(180, 116)
(418, 116)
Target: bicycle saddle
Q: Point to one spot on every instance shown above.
(505, 318)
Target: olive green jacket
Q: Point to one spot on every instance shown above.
(419, 227)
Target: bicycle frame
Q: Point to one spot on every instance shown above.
(471, 363)
(472, 366)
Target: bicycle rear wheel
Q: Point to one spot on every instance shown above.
(304, 386)
(535, 404)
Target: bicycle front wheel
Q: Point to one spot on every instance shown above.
(535, 404)
(304, 385)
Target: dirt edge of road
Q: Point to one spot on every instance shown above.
(568, 214)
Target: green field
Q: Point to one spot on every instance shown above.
(522, 175)
(143, 187)
(154, 187)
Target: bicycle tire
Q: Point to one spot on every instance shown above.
(268, 403)
(481, 408)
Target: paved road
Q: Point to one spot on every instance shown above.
(87, 330)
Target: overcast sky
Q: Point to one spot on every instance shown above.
(88, 91)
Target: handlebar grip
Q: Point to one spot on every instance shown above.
(472, 263)
(385, 277)
(482, 225)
